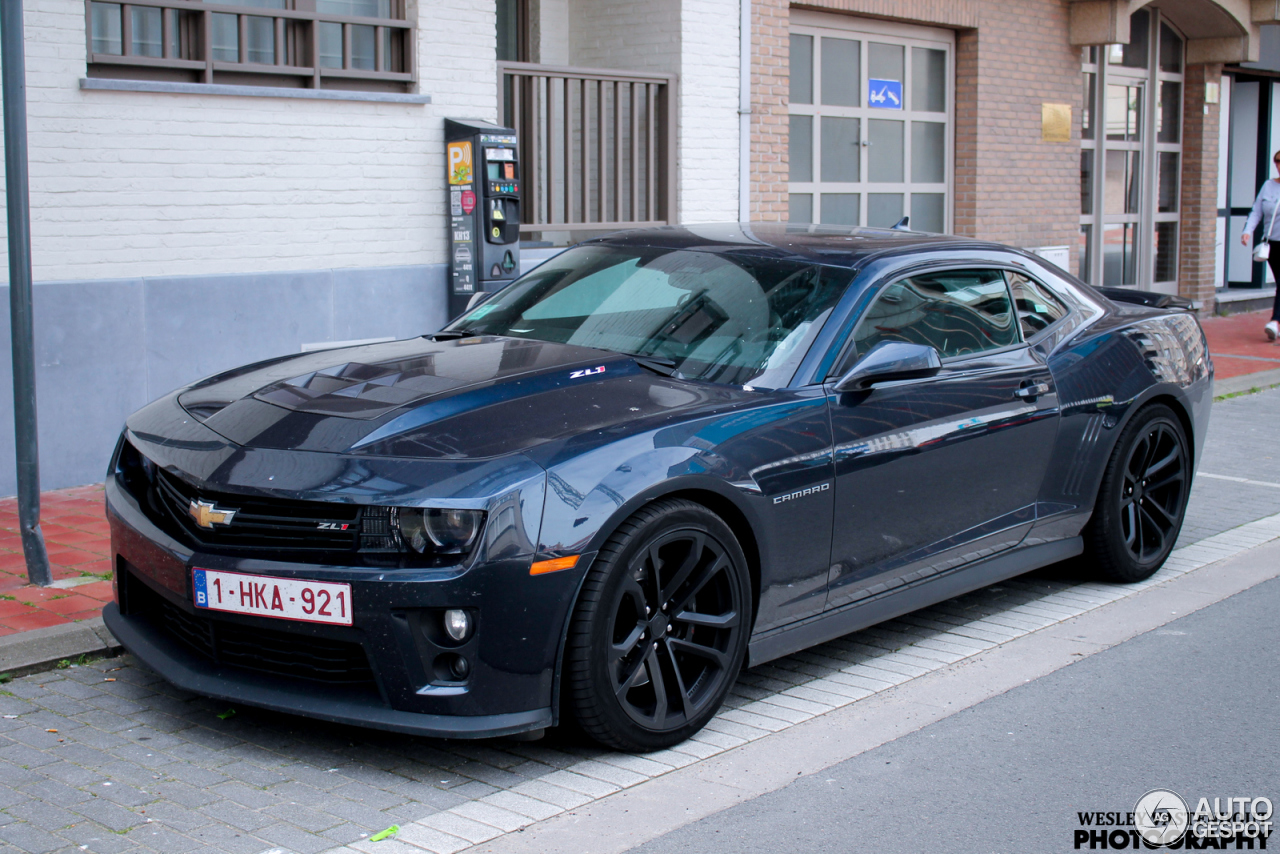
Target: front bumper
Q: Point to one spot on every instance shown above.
(195, 673)
(512, 653)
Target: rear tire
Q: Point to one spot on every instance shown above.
(660, 628)
(1142, 500)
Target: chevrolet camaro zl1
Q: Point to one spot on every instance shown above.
(658, 458)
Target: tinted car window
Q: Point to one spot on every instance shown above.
(956, 311)
(716, 317)
(1038, 308)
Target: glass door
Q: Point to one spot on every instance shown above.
(870, 123)
(1130, 157)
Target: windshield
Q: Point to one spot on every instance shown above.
(722, 318)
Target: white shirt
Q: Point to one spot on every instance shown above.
(1264, 210)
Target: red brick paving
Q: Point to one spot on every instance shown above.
(78, 539)
(1241, 335)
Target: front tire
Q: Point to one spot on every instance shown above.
(1143, 498)
(660, 629)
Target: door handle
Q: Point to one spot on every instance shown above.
(1031, 392)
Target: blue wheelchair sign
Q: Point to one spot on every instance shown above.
(884, 94)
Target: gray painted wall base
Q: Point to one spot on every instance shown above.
(106, 347)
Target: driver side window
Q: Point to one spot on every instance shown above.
(958, 312)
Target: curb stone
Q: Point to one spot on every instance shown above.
(41, 649)
(1262, 380)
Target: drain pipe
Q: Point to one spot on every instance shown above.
(744, 111)
(14, 86)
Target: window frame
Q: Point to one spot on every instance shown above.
(818, 25)
(1098, 72)
(188, 52)
(846, 349)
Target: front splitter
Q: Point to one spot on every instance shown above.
(199, 675)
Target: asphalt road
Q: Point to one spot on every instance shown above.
(1193, 707)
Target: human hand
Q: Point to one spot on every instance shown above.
(1244, 240)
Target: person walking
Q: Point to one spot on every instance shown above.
(1265, 208)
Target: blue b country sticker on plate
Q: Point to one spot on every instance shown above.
(202, 589)
(884, 94)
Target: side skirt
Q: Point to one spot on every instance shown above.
(903, 600)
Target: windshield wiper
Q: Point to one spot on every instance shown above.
(665, 367)
(450, 334)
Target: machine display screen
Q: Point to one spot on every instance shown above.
(500, 171)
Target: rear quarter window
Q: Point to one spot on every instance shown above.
(1037, 307)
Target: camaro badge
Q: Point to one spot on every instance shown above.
(801, 493)
(207, 514)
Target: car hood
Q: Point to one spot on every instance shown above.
(453, 399)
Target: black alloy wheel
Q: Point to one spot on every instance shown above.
(660, 629)
(1143, 498)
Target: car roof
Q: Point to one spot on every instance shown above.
(841, 246)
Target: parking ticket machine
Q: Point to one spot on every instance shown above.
(484, 208)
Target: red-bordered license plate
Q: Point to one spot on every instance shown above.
(267, 596)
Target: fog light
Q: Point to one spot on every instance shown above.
(459, 668)
(457, 624)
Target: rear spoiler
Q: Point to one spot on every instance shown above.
(1147, 298)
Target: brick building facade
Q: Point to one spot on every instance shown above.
(216, 184)
(1012, 58)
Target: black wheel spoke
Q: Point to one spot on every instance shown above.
(632, 679)
(1153, 440)
(1160, 517)
(711, 654)
(727, 620)
(687, 566)
(655, 572)
(1161, 464)
(1134, 467)
(1128, 523)
(695, 588)
(1174, 477)
(619, 651)
(686, 699)
(632, 590)
(1153, 527)
(660, 704)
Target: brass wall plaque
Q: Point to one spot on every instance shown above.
(1055, 122)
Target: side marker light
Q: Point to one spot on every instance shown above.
(542, 567)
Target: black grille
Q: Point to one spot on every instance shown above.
(261, 523)
(265, 650)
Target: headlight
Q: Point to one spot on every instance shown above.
(438, 531)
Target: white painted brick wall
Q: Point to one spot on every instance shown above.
(141, 184)
(709, 111)
(639, 35)
(550, 31)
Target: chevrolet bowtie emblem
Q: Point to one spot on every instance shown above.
(207, 514)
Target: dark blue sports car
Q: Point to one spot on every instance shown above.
(658, 458)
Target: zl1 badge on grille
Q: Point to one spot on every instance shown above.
(301, 600)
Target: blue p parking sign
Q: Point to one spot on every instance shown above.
(884, 94)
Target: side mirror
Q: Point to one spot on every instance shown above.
(889, 361)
